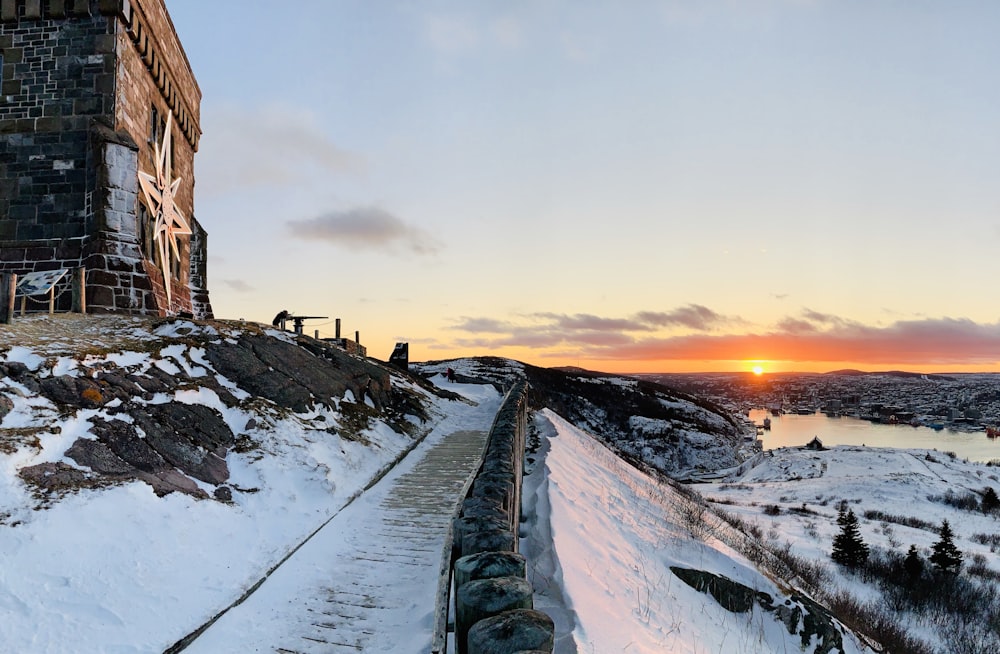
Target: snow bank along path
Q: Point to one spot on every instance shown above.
(601, 538)
(367, 580)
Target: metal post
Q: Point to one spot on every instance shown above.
(337, 332)
(316, 334)
(357, 337)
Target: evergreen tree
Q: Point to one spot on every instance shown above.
(990, 500)
(946, 557)
(848, 547)
(913, 564)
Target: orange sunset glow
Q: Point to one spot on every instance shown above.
(736, 204)
(810, 342)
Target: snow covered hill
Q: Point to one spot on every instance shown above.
(151, 471)
(631, 562)
(626, 563)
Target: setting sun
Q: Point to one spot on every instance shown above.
(758, 370)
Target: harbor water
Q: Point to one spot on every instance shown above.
(794, 430)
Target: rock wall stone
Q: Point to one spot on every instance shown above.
(487, 528)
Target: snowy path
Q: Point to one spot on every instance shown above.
(367, 581)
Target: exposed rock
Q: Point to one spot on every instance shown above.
(77, 392)
(98, 457)
(799, 614)
(187, 436)
(155, 381)
(115, 385)
(54, 477)
(170, 445)
(288, 374)
(123, 440)
(730, 595)
(165, 482)
(20, 373)
(240, 364)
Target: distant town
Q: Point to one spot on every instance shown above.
(962, 402)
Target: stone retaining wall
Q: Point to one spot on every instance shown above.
(493, 599)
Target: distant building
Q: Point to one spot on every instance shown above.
(99, 124)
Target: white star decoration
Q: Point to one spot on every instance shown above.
(160, 192)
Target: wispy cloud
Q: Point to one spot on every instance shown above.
(238, 285)
(458, 35)
(586, 322)
(692, 316)
(451, 34)
(275, 146)
(932, 341)
(812, 336)
(366, 228)
(546, 330)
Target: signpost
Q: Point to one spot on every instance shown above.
(39, 283)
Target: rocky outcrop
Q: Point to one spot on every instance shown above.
(289, 375)
(141, 433)
(800, 615)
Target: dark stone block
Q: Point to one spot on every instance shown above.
(39, 253)
(68, 250)
(103, 278)
(12, 253)
(99, 296)
(23, 212)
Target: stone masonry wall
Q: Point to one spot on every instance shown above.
(53, 75)
(198, 281)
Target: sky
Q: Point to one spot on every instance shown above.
(642, 186)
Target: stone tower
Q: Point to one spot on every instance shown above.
(94, 95)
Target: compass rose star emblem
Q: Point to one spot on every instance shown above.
(160, 192)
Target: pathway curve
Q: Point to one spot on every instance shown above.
(367, 581)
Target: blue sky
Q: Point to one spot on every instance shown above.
(621, 185)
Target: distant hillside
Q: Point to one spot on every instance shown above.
(888, 373)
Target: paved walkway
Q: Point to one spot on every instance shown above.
(367, 581)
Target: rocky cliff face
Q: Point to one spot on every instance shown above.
(167, 407)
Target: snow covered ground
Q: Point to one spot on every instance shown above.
(605, 576)
(120, 570)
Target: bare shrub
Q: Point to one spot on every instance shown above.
(875, 621)
(966, 501)
(906, 521)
